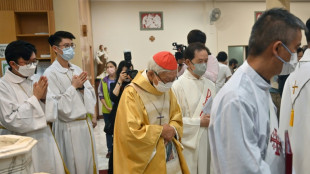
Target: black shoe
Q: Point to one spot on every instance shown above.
(108, 155)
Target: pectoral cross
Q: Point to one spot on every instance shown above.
(160, 117)
(294, 87)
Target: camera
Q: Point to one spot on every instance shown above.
(130, 71)
(180, 50)
(178, 47)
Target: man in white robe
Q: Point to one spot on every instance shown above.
(294, 114)
(23, 110)
(243, 126)
(76, 97)
(192, 91)
(212, 66)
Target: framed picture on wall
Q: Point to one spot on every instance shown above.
(151, 21)
(4, 67)
(257, 14)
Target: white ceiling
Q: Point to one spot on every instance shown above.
(201, 0)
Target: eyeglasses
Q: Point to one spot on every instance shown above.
(29, 64)
(162, 79)
(68, 45)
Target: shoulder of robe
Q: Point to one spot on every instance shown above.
(298, 79)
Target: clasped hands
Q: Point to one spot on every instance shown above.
(79, 80)
(168, 133)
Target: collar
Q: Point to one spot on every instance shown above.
(189, 75)
(143, 82)
(257, 79)
(61, 69)
(306, 56)
(13, 78)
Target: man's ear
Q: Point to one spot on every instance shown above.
(187, 62)
(55, 48)
(275, 47)
(13, 65)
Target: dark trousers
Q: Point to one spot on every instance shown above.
(109, 137)
(110, 170)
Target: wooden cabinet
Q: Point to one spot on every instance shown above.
(7, 27)
(32, 26)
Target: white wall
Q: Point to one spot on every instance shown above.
(116, 25)
(237, 19)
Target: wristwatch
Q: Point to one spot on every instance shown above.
(82, 88)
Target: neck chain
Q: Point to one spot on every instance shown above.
(68, 75)
(162, 108)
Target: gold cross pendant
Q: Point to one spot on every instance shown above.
(294, 87)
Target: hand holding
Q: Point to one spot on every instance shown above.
(205, 120)
(167, 133)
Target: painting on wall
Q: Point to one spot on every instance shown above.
(4, 66)
(257, 14)
(151, 21)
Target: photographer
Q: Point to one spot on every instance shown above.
(180, 58)
(117, 88)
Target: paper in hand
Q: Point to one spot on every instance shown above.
(207, 107)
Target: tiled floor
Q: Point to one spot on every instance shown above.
(101, 145)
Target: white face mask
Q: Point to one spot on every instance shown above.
(288, 67)
(163, 87)
(26, 70)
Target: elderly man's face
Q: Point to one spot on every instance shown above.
(167, 76)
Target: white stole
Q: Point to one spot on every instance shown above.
(156, 108)
(194, 141)
(275, 156)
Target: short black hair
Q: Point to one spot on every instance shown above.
(190, 50)
(299, 49)
(273, 25)
(221, 56)
(233, 61)
(19, 49)
(56, 38)
(196, 36)
(112, 62)
(307, 31)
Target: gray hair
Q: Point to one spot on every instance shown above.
(152, 65)
(273, 25)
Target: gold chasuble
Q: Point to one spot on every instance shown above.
(138, 147)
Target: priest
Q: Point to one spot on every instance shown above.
(193, 91)
(148, 125)
(294, 114)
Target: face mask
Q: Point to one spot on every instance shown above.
(26, 70)
(111, 71)
(200, 68)
(288, 67)
(163, 87)
(68, 53)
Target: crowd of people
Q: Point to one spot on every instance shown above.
(189, 113)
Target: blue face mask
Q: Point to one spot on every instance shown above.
(68, 53)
